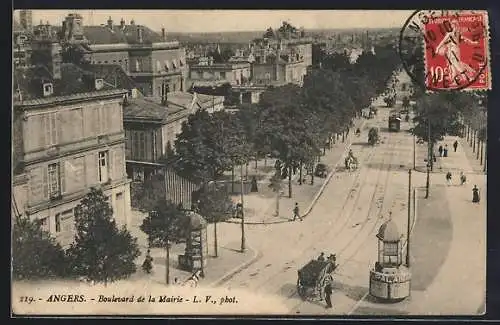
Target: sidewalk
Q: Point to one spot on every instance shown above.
(448, 249)
(218, 269)
(464, 151)
(260, 207)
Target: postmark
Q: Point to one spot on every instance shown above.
(447, 50)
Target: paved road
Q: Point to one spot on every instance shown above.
(344, 221)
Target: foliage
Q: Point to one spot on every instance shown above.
(406, 102)
(151, 190)
(214, 204)
(101, 252)
(72, 53)
(165, 223)
(200, 148)
(444, 111)
(35, 253)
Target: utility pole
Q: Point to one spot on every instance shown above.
(408, 229)
(243, 248)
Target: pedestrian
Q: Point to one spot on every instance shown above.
(475, 195)
(176, 281)
(455, 145)
(328, 295)
(440, 151)
(463, 178)
(321, 257)
(254, 187)
(147, 265)
(296, 212)
(445, 151)
(448, 178)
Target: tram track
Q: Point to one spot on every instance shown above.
(351, 213)
(366, 159)
(380, 191)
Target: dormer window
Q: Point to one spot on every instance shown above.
(48, 89)
(99, 84)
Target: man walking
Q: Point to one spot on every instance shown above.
(328, 295)
(448, 178)
(455, 145)
(296, 212)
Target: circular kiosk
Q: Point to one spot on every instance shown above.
(196, 253)
(389, 279)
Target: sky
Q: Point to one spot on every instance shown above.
(234, 20)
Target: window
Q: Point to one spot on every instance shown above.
(58, 222)
(135, 144)
(50, 127)
(119, 196)
(44, 223)
(54, 180)
(267, 76)
(106, 62)
(223, 75)
(137, 65)
(103, 166)
(158, 66)
(142, 145)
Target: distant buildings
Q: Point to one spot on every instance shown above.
(206, 71)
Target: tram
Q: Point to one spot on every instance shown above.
(394, 123)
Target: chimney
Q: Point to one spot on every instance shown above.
(139, 34)
(163, 34)
(110, 23)
(122, 23)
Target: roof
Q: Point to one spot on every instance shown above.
(112, 74)
(73, 80)
(117, 34)
(145, 109)
(388, 232)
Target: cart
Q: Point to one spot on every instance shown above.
(313, 278)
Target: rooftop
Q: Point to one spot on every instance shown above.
(120, 34)
(145, 109)
(388, 232)
(75, 82)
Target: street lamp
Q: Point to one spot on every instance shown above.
(429, 157)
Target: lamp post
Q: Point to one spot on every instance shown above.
(243, 248)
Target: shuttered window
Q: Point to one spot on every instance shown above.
(54, 180)
(91, 169)
(118, 164)
(35, 132)
(128, 144)
(37, 185)
(50, 128)
(74, 175)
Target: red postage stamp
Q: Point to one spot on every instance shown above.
(457, 53)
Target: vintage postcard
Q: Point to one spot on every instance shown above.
(239, 162)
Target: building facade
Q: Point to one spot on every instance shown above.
(234, 73)
(146, 56)
(67, 136)
(64, 145)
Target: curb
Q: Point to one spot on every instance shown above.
(328, 178)
(226, 277)
(314, 200)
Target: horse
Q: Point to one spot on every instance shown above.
(192, 282)
(351, 163)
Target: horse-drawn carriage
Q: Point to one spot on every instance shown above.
(351, 162)
(313, 277)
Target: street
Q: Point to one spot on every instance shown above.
(344, 221)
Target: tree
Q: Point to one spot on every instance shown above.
(199, 148)
(35, 253)
(276, 185)
(406, 102)
(269, 33)
(215, 206)
(72, 53)
(101, 252)
(164, 224)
